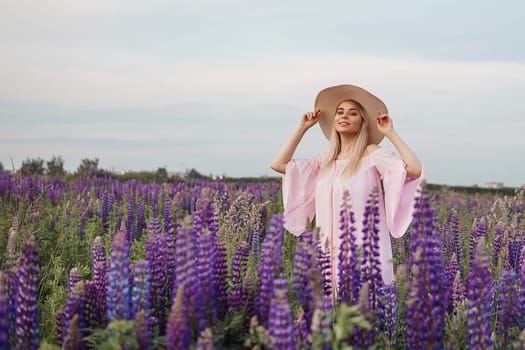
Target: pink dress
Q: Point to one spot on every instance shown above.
(305, 195)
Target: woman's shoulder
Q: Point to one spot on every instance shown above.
(371, 148)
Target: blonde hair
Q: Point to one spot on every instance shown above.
(357, 149)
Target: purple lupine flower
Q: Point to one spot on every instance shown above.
(237, 299)
(457, 293)
(479, 291)
(143, 329)
(26, 313)
(90, 307)
(349, 280)
(205, 340)
(73, 339)
(515, 245)
(303, 261)
(453, 233)
(75, 305)
(131, 228)
(387, 314)
(178, 331)
(499, 238)
(104, 213)
(427, 295)
(99, 268)
(4, 313)
(270, 267)
(280, 319)
(325, 266)
(521, 290)
(322, 322)
(59, 321)
(451, 270)
(221, 271)
(479, 229)
(155, 246)
(119, 292)
(141, 292)
(370, 264)
(508, 311)
(73, 278)
(141, 222)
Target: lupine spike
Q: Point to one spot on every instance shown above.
(26, 313)
(4, 313)
(237, 299)
(479, 291)
(280, 323)
(119, 291)
(178, 328)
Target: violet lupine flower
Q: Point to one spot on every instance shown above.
(141, 221)
(237, 299)
(205, 340)
(280, 319)
(387, 313)
(499, 237)
(479, 292)
(143, 330)
(119, 292)
(73, 339)
(453, 233)
(451, 270)
(427, 294)
(303, 261)
(221, 272)
(457, 293)
(178, 331)
(479, 229)
(90, 307)
(104, 213)
(521, 290)
(370, 264)
(59, 322)
(508, 312)
(4, 313)
(99, 268)
(270, 267)
(515, 245)
(73, 278)
(325, 266)
(75, 305)
(154, 255)
(322, 321)
(349, 280)
(26, 313)
(131, 228)
(141, 292)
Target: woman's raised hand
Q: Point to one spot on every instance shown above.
(384, 123)
(310, 118)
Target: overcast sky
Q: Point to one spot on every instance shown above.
(219, 85)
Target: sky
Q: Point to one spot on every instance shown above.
(219, 86)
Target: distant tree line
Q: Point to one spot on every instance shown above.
(90, 168)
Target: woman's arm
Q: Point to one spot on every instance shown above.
(386, 127)
(286, 153)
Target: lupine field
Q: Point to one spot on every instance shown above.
(98, 263)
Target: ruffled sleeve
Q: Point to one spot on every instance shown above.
(299, 193)
(400, 192)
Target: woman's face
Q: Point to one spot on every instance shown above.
(347, 118)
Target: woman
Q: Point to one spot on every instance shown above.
(354, 121)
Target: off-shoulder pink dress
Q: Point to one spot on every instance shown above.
(304, 194)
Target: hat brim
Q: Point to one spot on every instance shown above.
(328, 99)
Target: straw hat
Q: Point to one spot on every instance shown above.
(328, 99)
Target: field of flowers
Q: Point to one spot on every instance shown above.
(97, 263)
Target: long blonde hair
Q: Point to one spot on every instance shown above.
(357, 149)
